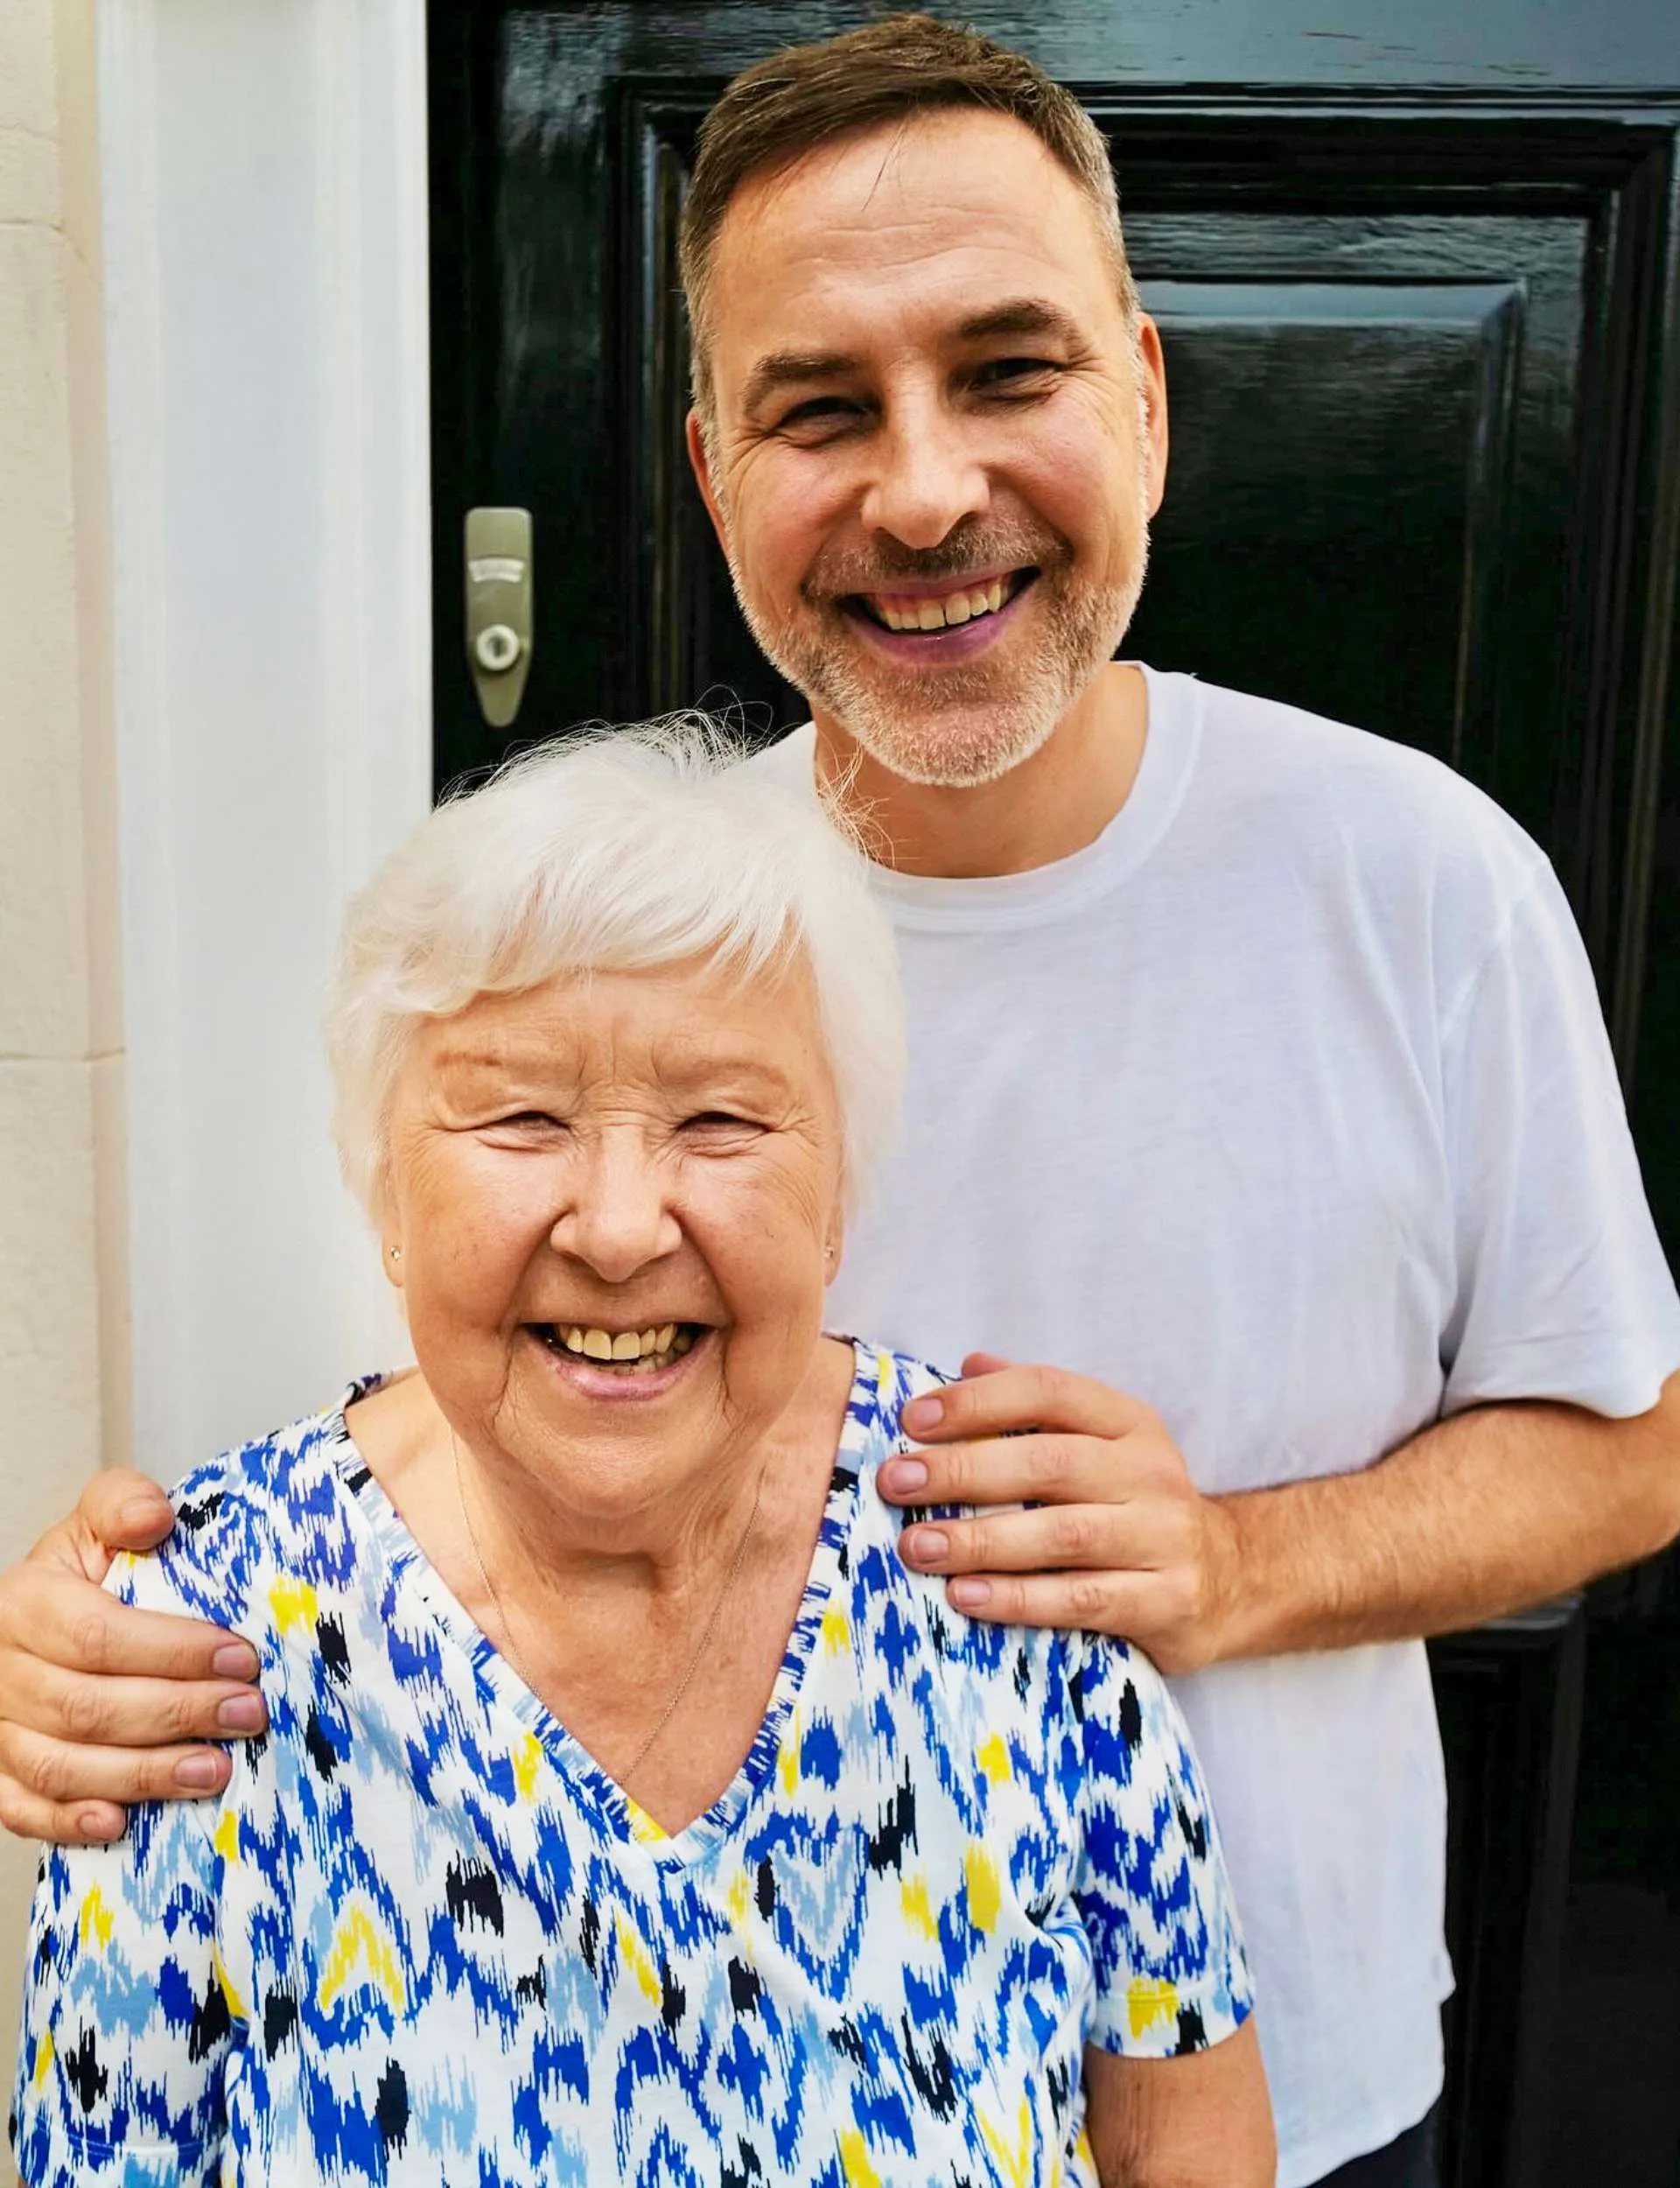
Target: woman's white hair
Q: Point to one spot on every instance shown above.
(615, 852)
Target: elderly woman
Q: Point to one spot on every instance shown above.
(629, 1812)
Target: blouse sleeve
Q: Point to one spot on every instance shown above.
(1150, 1882)
(128, 2026)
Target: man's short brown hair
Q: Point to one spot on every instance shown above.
(894, 71)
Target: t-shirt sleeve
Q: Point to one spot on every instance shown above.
(1563, 1292)
(126, 2029)
(1150, 1882)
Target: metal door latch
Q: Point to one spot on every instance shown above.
(498, 609)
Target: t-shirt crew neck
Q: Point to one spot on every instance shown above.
(978, 903)
(1285, 1106)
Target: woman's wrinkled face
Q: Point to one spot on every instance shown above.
(617, 1202)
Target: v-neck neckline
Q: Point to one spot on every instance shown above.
(620, 1815)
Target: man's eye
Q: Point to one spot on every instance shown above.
(1008, 372)
(822, 412)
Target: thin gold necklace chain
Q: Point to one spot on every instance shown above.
(488, 1585)
(684, 1684)
(730, 1578)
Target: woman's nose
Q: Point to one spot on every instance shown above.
(929, 478)
(617, 1217)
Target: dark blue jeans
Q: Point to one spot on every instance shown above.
(1407, 2163)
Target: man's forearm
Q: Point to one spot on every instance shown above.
(1497, 1508)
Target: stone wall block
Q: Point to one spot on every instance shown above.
(49, 1342)
(43, 920)
(29, 113)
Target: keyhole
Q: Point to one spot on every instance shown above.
(497, 648)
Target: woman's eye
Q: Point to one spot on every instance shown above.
(527, 1120)
(717, 1121)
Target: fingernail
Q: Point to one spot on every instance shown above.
(971, 1594)
(235, 1659)
(199, 1773)
(926, 1545)
(922, 1413)
(143, 1513)
(904, 1477)
(100, 1825)
(241, 1712)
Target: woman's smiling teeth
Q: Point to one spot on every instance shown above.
(634, 1352)
(903, 610)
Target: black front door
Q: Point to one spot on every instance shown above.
(1415, 270)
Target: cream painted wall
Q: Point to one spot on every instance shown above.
(214, 671)
(64, 1373)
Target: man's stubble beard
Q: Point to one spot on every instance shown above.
(962, 727)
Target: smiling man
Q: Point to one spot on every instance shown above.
(1258, 1079)
(930, 425)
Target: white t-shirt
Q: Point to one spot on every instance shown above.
(1286, 1106)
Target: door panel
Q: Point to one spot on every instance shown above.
(1376, 428)
(1416, 275)
(1339, 564)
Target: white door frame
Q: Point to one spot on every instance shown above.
(264, 182)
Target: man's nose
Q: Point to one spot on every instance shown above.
(618, 1217)
(928, 478)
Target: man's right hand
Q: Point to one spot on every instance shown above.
(101, 1703)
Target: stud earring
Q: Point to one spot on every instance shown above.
(397, 1254)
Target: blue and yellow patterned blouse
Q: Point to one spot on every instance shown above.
(423, 1939)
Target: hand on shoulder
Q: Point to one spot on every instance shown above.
(101, 1704)
(1116, 1538)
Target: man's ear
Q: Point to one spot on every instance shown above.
(701, 468)
(1152, 384)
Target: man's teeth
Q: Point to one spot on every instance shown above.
(644, 1348)
(899, 611)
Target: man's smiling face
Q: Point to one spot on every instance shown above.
(936, 442)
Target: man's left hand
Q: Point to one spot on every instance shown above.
(1119, 1540)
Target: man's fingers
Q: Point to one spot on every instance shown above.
(119, 1511)
(1079, 1537)
(1149, 1610)
(72, 1623)
(71, 1778)
(26, 1815)
(1008, 1400)
(1116, 1604)
(124, 1511)
(1040, 1470)
(126, 1713)
(1143, 1608)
